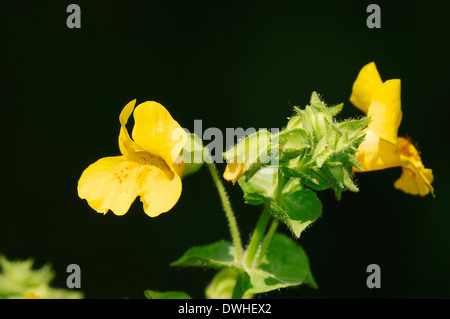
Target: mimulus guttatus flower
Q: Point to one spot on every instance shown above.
(150, 165)
(234, 171)
(382, 148)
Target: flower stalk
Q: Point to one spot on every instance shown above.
(257, 237)
(226, 205)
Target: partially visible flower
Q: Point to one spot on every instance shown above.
(31, 295)
(382, 148)
(234, 171)
(150, 165)
(20, 280)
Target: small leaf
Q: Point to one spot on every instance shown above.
(296, 209)
(217, 255)
(284, 265)
(152, 294)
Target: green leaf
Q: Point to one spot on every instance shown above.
(284, 265)
(222, 285)
(217, 255)
(296, 209)
(152, 294)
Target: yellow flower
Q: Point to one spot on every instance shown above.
(382, 148)
(234, 171)
(150, 165)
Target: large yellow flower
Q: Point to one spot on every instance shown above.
(382, 148)
(150, 165)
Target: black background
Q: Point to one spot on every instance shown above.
(230, 64)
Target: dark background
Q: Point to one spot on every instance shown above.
(230, 64)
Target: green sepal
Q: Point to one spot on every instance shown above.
(192, 154)
(293, 142)
(253, 151)
(353, 126)
(264, 183)
(339, 179)
(322, 152)
(152, 294)
(320, 106)
(294, 122)
(308, 176)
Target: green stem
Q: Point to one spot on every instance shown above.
(257, 236)
(226, 206)
(267, 241)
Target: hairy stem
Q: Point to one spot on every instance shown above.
(267, 241)
(226, 206)
(257, 236)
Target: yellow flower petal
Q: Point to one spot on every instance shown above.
(32, 295)
(415, 178)
(415, 182)
(157, 132)
(113, 183)
(234, 171)
(407, 149)
(127, 146)
(375, 153)
(385, 111)
(161, 194)
(364, 87)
